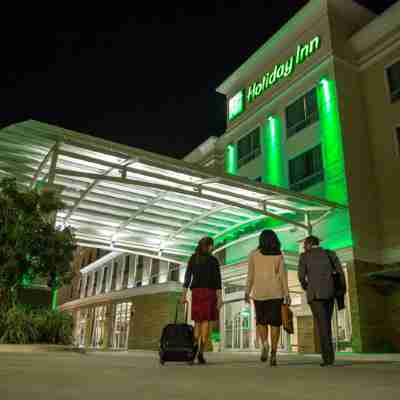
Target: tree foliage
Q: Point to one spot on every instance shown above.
(31, 246)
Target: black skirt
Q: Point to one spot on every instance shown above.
(269, 312)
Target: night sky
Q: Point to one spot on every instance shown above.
(158, 68)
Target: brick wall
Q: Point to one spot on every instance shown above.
(393, 316)
(373, 314)
(83, 257)
(306, 340)
(151, 313)
(35, 297)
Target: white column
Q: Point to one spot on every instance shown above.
(100, 274)
(163, 271)
(253, 326)
(84, 279)
(91, 283)
(146, 271)
(182, 271)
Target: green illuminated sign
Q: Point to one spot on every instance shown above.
(236, 104)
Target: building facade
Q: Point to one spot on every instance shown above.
(121, 301)
(316, 110)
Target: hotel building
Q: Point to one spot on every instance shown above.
(312, 145)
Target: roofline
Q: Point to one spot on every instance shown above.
(109, 147)
(303, 17)
(377, 29)
(271, 43)
(212, 140)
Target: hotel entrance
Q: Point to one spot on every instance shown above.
(239, 328)
(121, 321)
(238, 322)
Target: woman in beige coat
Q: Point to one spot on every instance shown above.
(267, 285)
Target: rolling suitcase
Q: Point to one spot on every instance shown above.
(177, 341)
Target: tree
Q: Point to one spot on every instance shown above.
(31, 246)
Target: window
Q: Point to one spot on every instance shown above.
(139, 271)
(393, 76)
(94, 284)
(301, 113)
(306, 170)
(104, 283)
(114, 277)
(155, 271)
(79, 286)
(249, 147)
(88, 278)
(126, 272)
(174, 272)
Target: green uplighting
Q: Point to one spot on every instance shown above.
(273, 173)
(331, 138)
(231, 159)
(53, 295)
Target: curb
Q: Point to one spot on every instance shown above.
(37, 348)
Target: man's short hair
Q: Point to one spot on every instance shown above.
(312, 241)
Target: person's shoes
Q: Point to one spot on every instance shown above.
(272, 361)
(201, 359)
(264, 353)
(326, 364)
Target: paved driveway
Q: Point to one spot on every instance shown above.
(115, 376)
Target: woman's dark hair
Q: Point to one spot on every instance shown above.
(311, 241)
(202, 248)
(269, 243)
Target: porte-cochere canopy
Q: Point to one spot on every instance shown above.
(125, 199)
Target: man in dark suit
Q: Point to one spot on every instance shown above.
(315, 270)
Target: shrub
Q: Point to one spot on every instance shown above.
(54, 327)
(17, 325)
(23, 325)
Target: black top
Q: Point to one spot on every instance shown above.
(205, 274)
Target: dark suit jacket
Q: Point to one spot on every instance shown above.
(315, 273)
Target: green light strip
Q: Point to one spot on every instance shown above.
(273, 173)
(231, 159)
(332, 146)
(53, 295)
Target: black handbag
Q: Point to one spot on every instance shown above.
(339, 284)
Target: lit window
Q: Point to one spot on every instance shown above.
(393, 76)
(306, 169)
(301, 113)
(249, 147)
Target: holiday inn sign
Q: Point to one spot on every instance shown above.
(236, 104)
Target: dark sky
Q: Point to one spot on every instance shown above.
(156, 66)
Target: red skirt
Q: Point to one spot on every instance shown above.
(204, 305)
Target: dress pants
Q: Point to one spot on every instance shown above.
(322, 311)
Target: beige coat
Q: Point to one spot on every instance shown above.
(267, 278)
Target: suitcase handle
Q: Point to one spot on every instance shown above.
(186, 312)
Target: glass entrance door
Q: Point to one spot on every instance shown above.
(239, 328)
(122, 319)
(238, 332)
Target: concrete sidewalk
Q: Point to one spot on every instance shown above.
(138, 375)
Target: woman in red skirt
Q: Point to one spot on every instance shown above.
(203, 277)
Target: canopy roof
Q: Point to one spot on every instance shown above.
(125, 199)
